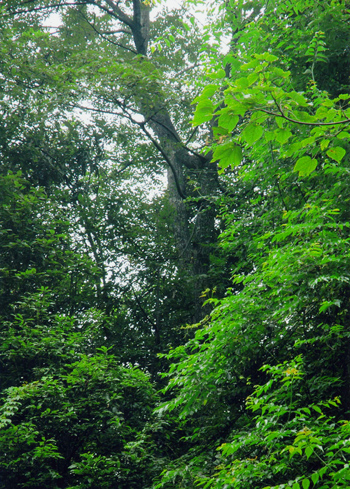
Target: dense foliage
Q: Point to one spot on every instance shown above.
(113, 372)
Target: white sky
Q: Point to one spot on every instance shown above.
(54, 19)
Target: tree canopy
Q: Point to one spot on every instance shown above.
(174, 244)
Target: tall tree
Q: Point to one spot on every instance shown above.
(267, 378)
(105, 57)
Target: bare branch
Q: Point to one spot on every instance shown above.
(193, 132)
(149, 320)
(45, 7)
(107, 38)
(118, 31)
(93, 109)
(114, 10)
(130, 163)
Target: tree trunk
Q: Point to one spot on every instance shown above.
(193, 245)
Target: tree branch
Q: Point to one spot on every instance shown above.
(118, 31)
(114, 10)
(152, 118)
(107, 38)
(150, 137)
(149, 320)
(117, 11)
(165, 156)
(125, 167)
(284, 116)
(45, 7)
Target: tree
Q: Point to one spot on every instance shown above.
(282, 142)
(258, 395)
(69, 408)
(125, 232)
(73, 414)
(107, 65)
(71, 427)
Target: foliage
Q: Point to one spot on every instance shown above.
(90, 281)
(101, 268)
(69, 409)
(289, 444)
(36, 249)
(281, 144)
(72, 426)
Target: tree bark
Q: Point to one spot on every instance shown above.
(193, 245)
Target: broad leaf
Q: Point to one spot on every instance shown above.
(282, 135)
(305, 166)
(337, 153)
(204, 112)
(228, 120)
(252, 133)
(228, 154)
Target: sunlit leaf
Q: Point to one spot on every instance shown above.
(204, 112)
(228, 154)
(337, 153)
(228, 120)
(305, 165)
(282, 135)
(252, 133)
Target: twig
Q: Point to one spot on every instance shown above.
(105, 37)
(282, 114)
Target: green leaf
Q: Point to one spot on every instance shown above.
(324, 306)
(259, 117)
(252, 133)
(252, 78)
(315, 477)
(235, 106)
(268, 57)
(282, 135)
(207, 92)
(236, 155)
(298, 98)
(228, 120)
(343, 135)
(228, 154)
(305, 165)
(309, 451)
(280, 73)
(242, 83)
(280, 122)
(303, 116)
(204, 112)
(324, 144)
(220, 73)
(252, 64)
(306, 483)
(337, 153)
(308, 141)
